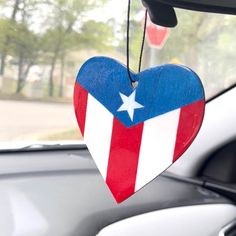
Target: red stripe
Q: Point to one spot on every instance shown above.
(190, 121)
(123, 159)
(80, 105)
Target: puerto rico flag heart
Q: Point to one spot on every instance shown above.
(134, 134)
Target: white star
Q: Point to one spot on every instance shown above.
(129, 104)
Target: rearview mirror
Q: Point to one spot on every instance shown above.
(162, 11)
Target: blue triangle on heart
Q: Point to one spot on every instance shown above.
(160, 89)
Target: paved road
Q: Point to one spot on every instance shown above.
(21, 120)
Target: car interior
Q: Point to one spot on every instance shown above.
(58, 190)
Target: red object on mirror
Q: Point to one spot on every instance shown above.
(156, 35)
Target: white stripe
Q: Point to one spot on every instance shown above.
(97, 135)
(157, 146)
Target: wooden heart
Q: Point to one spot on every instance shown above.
(134, 134)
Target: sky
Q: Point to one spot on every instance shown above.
(112, 9)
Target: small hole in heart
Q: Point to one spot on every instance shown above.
(135, 84)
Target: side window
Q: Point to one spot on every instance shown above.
(221, 166)
(219, 172)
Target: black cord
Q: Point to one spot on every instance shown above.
(127, 43)
(143, 40)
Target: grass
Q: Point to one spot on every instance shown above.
(73, 134)
(21, 97)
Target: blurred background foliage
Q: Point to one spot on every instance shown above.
(44, 42)
(43, 33)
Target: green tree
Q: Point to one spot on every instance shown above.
(64, 29)
(17, 38)
(5, 36)
(66, 15)
(26, 48)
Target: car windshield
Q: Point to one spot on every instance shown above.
(44, 43)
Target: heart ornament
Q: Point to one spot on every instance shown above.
(134, 134)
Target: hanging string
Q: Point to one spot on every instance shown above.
(127, 43)
(143, 40)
